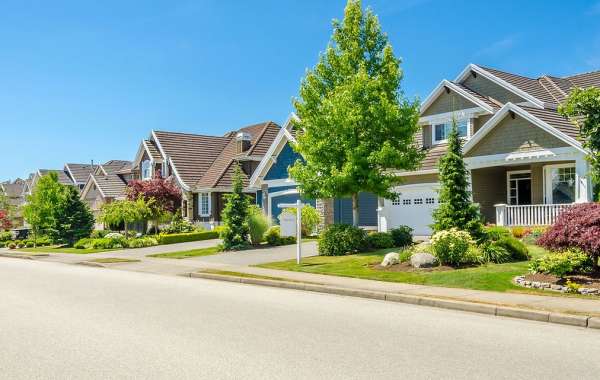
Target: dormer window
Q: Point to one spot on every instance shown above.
(441, 131)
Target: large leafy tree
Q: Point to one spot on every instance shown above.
(583, 105)
(40, 206)
(73, 219)
(235, 215)
(455, 206)
(125, 212)
(357, 127)
(164, 193)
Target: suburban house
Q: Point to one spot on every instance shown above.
(203, 166)
(15, 194)
(274, 186)
(526, 161)
(72, 174)
(106, 183)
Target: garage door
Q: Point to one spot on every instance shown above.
(413, 208)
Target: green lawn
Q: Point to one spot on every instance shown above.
(244, 275)
(496, 277)
(191, 253)
(50, 249)
(114, 260)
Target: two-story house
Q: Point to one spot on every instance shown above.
(203, 166)
(526, 161)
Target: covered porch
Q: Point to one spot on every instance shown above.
(529, 191)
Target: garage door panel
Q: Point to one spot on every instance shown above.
(413, 208)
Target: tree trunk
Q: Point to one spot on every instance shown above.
(355, 210)
(126, 230)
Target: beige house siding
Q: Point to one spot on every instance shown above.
(488, 88)
(515, 135)
(448, 102)
(418, 179)
(489, 188)
(478, 122)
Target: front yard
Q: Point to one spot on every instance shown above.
(50, 249)
(495, 277)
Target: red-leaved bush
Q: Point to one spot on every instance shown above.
(5, 223)
(576, 227)
(164, 191)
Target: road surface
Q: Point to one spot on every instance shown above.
(62, 321)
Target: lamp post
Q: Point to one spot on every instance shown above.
(298, 206)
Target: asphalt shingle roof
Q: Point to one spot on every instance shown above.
(79, 172)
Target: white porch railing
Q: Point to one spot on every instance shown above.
(528, 215)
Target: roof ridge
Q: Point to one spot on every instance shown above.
(189, 134)
(507, 72)
(580, 74)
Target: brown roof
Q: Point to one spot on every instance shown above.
(432, 156)
(152, 150)
(79, 172)
(529, 85)
(555, 119)
(116, 166)
(12, 190)
(591, 79)
(112, 185)
(63, 177)
(206, 161)
(486, 99)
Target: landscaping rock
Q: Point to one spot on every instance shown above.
(556, 287)
(423, 260)
(390, 259)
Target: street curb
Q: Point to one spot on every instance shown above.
(473, 307)
(22, 256)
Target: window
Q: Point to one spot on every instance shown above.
(429, 201)
(146, 170)
(562, 184)
(204, 204)
(442, 130)
(418, 201)
(396, 202)
(406, 202)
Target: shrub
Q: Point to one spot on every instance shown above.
(5, 235)
(380, 240)
(473, 256)
(495, 253)
(43, 241)
(2, 244)
(405, 255)
(519, 232)
(142, 242)
(495, 233)
(561, 263)
(108, 243)
(186, 237)
(98, 234)
(274, 238)
(258, 224)
(113, 235)
(20, 245)
(402, 236)
(12, 246)
(29, 244)
(451, 245)
(178, 226)
(342, 239)
(517, 250)
(310, 219)
(576, 227)
(83, 243)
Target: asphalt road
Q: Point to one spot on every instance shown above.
(62, 321)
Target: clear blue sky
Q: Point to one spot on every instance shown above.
(83, 80)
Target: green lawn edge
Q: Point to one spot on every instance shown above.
(64, 250)
(208, 251)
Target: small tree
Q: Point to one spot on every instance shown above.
(165, 194)
(5, 223)
(39, 210)
(455, 207)
(125, 212)
(585, 104)
(311, 218)
(357, 127)
(73, 219)
(235, 215)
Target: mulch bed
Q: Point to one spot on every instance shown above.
(588, 280)
(406, 267)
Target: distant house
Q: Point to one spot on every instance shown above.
(107, 183)
(203, 166)
(72, 174)
(274, 186)
(526, 161)
(15, 193)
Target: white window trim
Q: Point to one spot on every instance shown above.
(508, 173)
(150, 169)
(445, 121)
(548, 183)
(200, 213)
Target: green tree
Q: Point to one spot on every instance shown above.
(235, 215)
(39, 209)
(456, 209)
(73, 219)
(583, 106)
(125, 212)
(357, 127)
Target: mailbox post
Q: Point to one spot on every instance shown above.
(298, 206)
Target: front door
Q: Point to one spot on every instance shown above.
(519, 187)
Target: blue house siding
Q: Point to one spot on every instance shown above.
(288, 198)
(285, 159)
(367, 210)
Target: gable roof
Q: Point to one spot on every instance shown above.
(115, 166)
(12, 190)
(110, 186)
(79, 173)
(63, 177)
(477, 99)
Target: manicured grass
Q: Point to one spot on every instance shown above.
(51, 249)
(114, 260)
(191, 253)
(496, 277)
(244, 275)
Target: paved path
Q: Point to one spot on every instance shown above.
(68, 321)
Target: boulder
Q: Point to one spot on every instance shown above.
(423, 260)
(390, 259)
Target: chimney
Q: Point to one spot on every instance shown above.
(243, 140)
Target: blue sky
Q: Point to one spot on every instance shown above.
(82, 80)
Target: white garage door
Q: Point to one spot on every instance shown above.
(413, 208)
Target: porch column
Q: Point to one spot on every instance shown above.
(500, 214)
(583, 187)
(189, 197)
(265, 198)
(381, 215)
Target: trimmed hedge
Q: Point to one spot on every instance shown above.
(186, 237)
